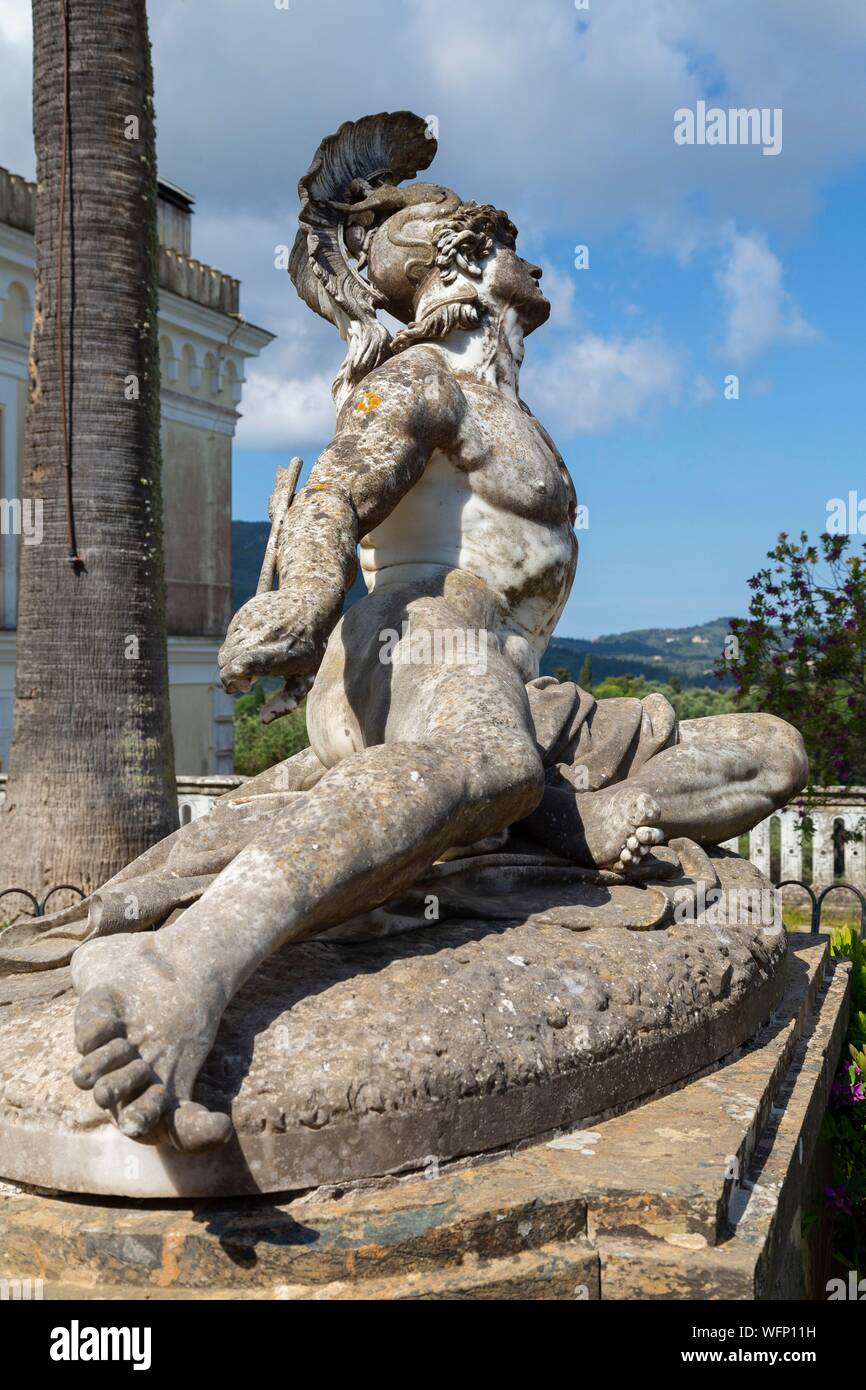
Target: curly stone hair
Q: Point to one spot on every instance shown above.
(467, 238)
(462, 243)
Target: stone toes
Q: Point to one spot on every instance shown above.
(97, 1021)
(144, 1113)
(632, 843)
(112, 1056)
(647, 809)
(192, 1127)
(649, 835)
(124, 1085)
(626, 856)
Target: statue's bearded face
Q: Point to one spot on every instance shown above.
(511, 281)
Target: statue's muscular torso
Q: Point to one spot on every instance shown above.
(497, 502)
(433, 472)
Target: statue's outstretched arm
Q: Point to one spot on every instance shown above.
(386, 433)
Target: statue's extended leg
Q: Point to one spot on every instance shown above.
(465, 765)
(209, 844)
(726, 773)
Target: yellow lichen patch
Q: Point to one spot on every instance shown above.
(687, 1240)
(369, 400)
(172, 1247)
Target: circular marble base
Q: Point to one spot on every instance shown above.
(343, 1060)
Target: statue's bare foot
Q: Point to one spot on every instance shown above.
(144, 1032)
(619, 824)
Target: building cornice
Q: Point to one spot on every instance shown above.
(182, 648)
(213, 325)
(13, 358)
(17, 201)
(211, 295)
(202, 415)
(17, 246)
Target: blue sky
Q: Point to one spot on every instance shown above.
(704, 261)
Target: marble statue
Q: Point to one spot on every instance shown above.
(432, 737)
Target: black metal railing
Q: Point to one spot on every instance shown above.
(817, 900)
(39, 906)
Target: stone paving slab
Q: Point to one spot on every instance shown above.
(395, 1231)
(563, 1271)
(760, 1254)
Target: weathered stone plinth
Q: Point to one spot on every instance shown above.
(694, 1195)
(341, 1061)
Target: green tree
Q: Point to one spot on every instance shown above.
(698, 702)
(802, 650)
(693, 702)
(615, 687)
(584, 680)
(259, 746)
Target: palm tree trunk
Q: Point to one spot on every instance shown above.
(91, 780)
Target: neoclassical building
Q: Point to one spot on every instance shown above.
(204, 345)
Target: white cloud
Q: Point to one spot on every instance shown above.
(592, 131)
(564, 118)
(15, 23)
(596, 382)
(559, 286)
(285, 412)
(16, 103)
(704, 389)
(759, 312)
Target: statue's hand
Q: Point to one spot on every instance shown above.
(287, 699)
(277, 634)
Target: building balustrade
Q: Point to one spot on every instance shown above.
(818, 842)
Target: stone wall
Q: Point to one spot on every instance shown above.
(197, 484)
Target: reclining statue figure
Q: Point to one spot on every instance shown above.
(431, 733)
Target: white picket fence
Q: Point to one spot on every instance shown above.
(837, 840)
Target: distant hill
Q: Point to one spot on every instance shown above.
(249, 539)
(688, 654)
